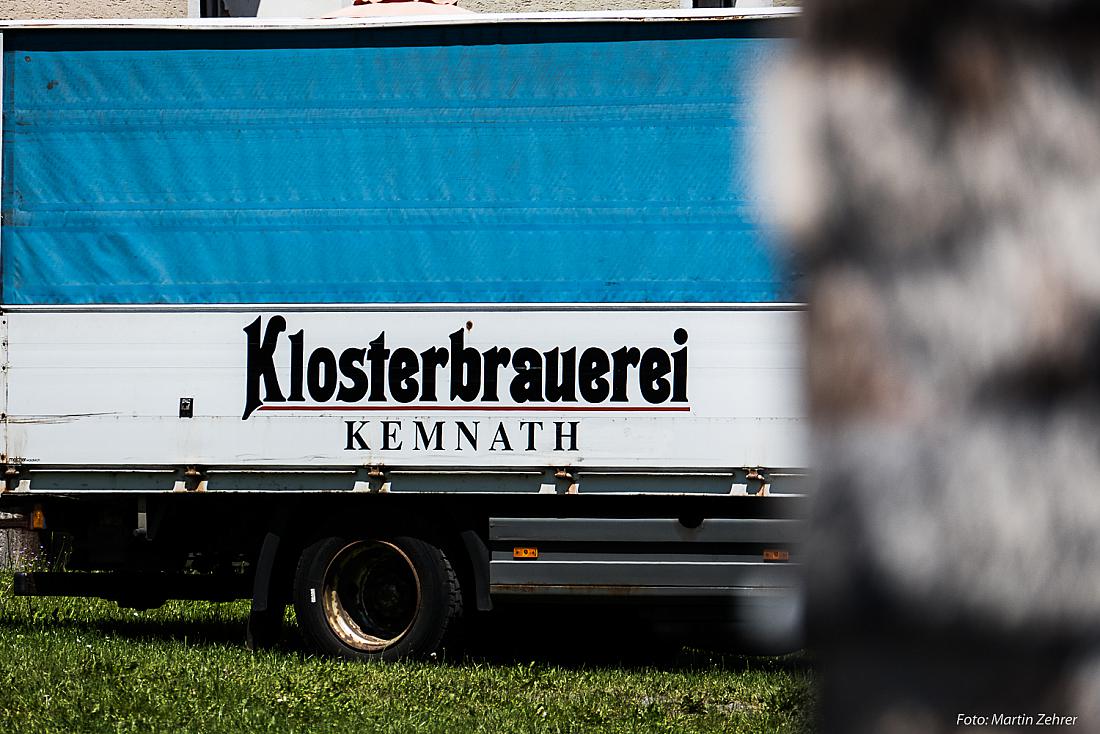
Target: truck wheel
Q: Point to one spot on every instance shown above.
(375, 599)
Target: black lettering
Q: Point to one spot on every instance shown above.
(495, 358)
(622, 359)
(465, 369)
(389, 433)
(377, 354)
(561, 380)
(260, 364)
(560, 434)
(680, 368)
(423, 435)
(403, 365)
(379, 374)
(531, 426)
(651, 375)
(502, 438)
(464, 430)
(351, 361)
(431, 360)
(594, 364)
(355, 441)
(527, 384)
(297, 365)
(321, 375)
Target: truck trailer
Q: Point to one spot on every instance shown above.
(398, 320)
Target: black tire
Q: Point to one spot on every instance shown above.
(376, 598)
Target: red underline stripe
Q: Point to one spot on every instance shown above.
(485, 408)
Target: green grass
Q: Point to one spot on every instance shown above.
(69, 665)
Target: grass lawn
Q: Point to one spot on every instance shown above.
(69, 665)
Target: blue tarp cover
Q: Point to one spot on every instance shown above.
(472, 164)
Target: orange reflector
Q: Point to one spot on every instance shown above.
(38, 518)
(777, 555)
(525, 553)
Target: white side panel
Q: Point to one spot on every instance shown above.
(103, 389)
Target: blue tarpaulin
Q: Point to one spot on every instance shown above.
(462, 164)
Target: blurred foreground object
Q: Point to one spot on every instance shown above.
(940, 183)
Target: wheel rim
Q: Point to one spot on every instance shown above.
(371, 595)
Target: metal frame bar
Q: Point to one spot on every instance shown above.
(589, 16)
